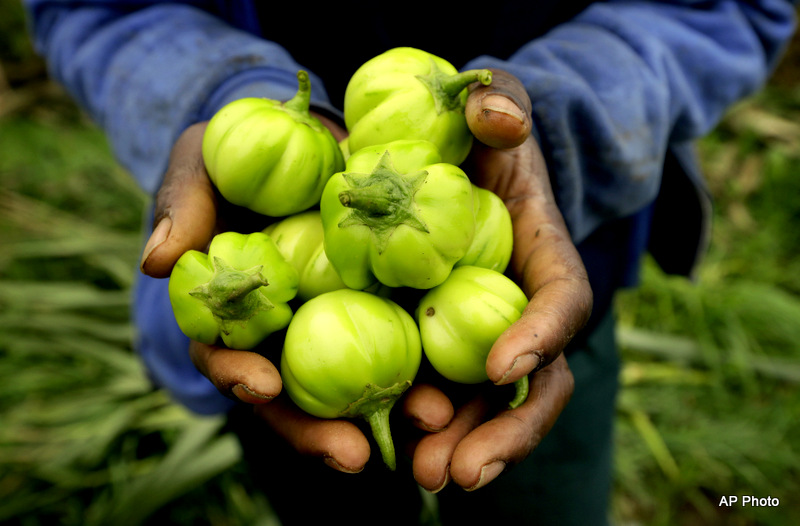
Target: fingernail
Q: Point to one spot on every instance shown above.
(489, 472)
(501, 104)
(427, 427)
(159, 235)
(527, 362)
(330, 462)
(247, 395)
(444, 483)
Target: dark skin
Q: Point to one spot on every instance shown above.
(472, 441)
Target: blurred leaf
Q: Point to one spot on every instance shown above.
(44, 232)
(688, 351)
(197, 455)
(776, 129)
(655, 443)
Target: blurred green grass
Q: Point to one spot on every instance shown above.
(710, 406)
(711, 377)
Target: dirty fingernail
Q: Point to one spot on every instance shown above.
(489, 472)
(525, 362)
(501, 104)
(428, 426)
(159, 235)
(443, 484)
(331, 462)
(245, 394)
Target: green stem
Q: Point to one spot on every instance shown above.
(374, 406)
(521, 393)
(302, 99)
(228, 294)
(380, 198)
(452, 85)
(379, 423)
(446, 89)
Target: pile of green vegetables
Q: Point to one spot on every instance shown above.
(386, 210)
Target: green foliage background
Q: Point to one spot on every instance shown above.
(709, 407)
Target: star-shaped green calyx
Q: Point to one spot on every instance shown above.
(382, 200)
(232, 295)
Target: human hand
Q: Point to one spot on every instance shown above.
(480, 443)
(188, 211)
(188, 214)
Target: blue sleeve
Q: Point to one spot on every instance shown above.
(616, 87)
(144, 71)
(164, 350)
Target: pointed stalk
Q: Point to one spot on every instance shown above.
(302, 99)
(521, 388)
(229, 294)
(380, 198)
(453, 85)
(374, 407)
(446, 89)
(379, 424)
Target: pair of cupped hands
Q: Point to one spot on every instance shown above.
(468, 442)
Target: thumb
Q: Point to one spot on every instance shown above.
(499, 115)
(185, 209)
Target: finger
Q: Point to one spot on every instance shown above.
(559, 307)
(512, 435)
(427, 407)
(185, 208)
(499, 115)
(431, 462)
(545, 262)
(245, 375)
(339, 443)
